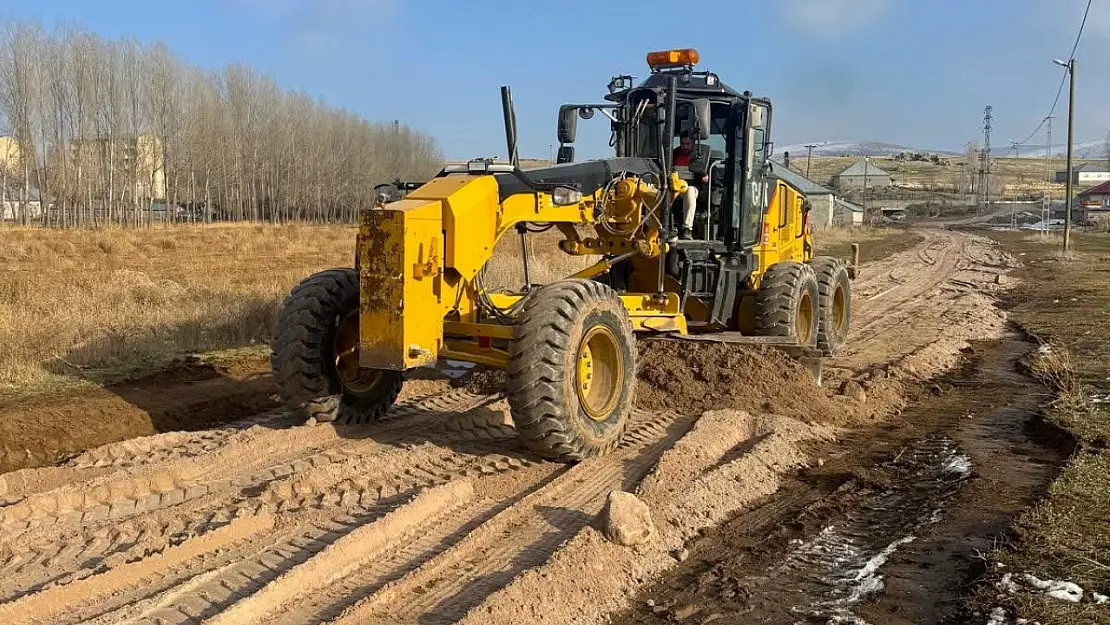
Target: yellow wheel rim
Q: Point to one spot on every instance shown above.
(804, 319)
(354, 378)
(600, 373)
(839, 309)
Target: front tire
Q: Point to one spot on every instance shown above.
(786, 304)
(572, 370)
(314, 354)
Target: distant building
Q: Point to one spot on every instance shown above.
(142, 157)
(9, 154)
(826, 209)
(847, 213)
(13, 207)
(1094, 203)
(15, 200)
(1087, 173)
(821, 198)
(860, 175)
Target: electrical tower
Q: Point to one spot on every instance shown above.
(984, 198)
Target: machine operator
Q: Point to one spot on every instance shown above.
(682, 156)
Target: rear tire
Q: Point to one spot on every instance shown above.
(834, 303)
(572, 370)
(786, 304)
(312, 360)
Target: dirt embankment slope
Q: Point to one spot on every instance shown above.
(437, 514)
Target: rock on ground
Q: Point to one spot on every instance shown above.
(852, 389)
(626, 520)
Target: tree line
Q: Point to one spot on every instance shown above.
(96, 131)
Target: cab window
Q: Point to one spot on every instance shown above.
(784, 214)
(718, 127)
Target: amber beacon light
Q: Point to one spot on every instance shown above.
(672, 58)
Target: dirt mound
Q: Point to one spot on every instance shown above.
(43, 430)
(692, 378)
(38, 431)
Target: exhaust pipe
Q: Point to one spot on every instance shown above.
(510, 124)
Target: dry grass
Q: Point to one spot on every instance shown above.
(1065, 302)
(875, 243)
(1065, 299)
(101, 305)
(546, 262)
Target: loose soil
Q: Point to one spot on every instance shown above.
(695, 377)
(891, 525)
(438, 514)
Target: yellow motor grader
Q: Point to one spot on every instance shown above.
(745, 272)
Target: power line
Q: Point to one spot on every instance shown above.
(1064, 79)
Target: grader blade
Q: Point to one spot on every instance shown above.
(809, 357)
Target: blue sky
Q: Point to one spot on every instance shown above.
(901, 71)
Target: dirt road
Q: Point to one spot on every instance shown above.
(437, 514)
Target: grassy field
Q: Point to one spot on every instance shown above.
(80, 307)
(1065, 302)
(97, 306)
(874, 243)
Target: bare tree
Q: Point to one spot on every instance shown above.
(107, 130)
(19, 98)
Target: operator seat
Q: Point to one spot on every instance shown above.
(709, 204)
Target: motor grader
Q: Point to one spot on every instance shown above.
(418, 293)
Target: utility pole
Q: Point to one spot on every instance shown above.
(866, 162)
(809, 155)
(1070, 65)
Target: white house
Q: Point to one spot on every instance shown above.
(1087, 173)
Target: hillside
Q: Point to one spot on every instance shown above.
(853, 148)
(1097, 149)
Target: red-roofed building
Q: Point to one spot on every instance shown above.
(1094, 203)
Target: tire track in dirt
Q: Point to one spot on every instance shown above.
(257, 455)
(68, 543)
(340, 494)
(520, 537)
(53, 603)
(906, 303)
(347, 554)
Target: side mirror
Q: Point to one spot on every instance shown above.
(565, 155)
(699, 160)
(568, 123)
(702, 117)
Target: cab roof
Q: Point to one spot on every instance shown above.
(690, 83)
